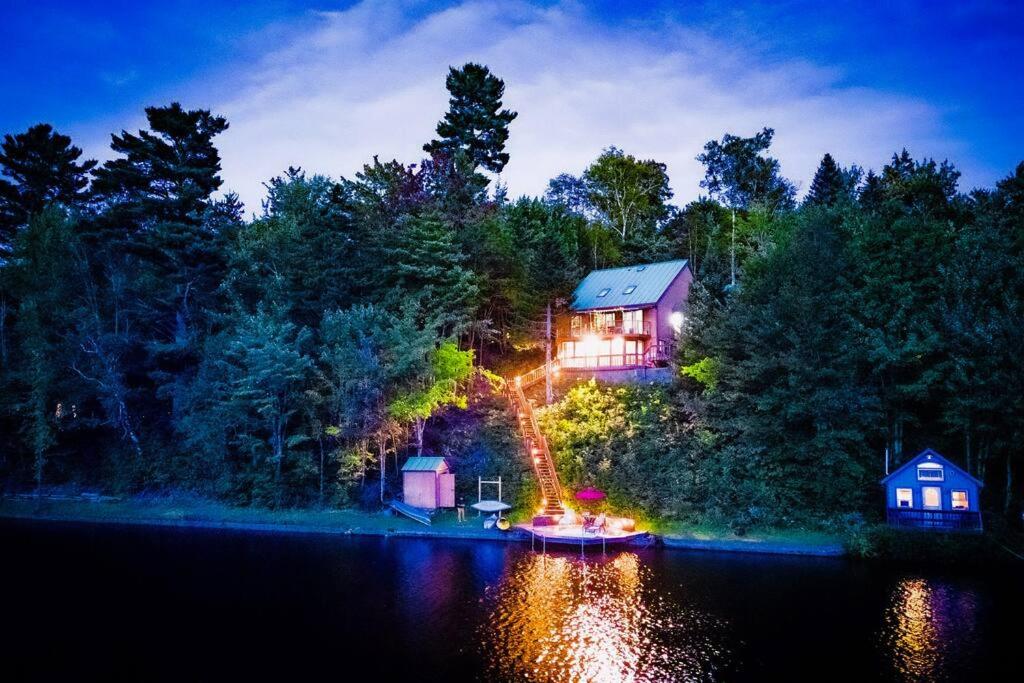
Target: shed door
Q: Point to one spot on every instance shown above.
(446, 499)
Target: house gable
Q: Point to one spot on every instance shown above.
(926, 456)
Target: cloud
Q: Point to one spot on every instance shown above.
(370, 80)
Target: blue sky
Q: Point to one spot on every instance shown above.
(326, 85)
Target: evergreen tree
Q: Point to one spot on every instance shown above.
(833, 183)
(475, 124)
(157, 241)
(43, 275)
(903, 251)
(781, 383)
(268, 372)
(871, 194)
(299, 255)
(37, 168)
(423, 269)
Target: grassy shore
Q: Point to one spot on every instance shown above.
(191, 512)
(194, 512)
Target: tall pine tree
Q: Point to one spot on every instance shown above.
(475, 124)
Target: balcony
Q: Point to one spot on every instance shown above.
(580, 329)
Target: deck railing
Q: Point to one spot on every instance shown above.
(637, 329)
(615, 360)
(952, 520)
(652, 356)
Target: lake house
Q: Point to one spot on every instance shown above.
(930, 492)
(624, 318)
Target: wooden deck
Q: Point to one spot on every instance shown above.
(573, 535)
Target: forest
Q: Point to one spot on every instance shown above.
(156, 335)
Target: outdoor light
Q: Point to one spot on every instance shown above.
(590, 344)
(677, 319)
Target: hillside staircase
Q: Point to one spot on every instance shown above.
(536, 445)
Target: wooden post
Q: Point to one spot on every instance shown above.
(548, 393)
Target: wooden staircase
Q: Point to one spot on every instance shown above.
(536, 445)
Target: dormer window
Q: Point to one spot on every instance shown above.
(604, 292)
(629, 290)
(930, 471)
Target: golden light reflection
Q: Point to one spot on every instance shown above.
(559, 618)
(924, 625)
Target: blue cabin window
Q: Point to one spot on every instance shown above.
(930, 471)
(629, 290)
(904, 498)
(960, 501)
(603, 292)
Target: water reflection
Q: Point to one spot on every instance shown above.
(556, 618)
(926, 624)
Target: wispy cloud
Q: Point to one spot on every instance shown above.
(370, 80)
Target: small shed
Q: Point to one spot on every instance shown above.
(427, 483)
(930, 492)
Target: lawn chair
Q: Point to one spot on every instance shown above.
(597, 526)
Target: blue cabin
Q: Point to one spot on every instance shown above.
(930, 492)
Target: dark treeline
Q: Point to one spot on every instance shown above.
(154, 338)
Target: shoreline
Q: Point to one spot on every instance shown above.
(346, 523)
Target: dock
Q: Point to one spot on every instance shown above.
(574, 536)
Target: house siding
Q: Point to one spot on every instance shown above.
(675, 298)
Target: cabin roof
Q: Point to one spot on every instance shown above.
(644, 282)
(422, 463)
(932, 455)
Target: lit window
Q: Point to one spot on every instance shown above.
(931, 497)
(930, 471)
(960, 500)
(633, 322)
(629, 290)
(904, 498)
(603, 292)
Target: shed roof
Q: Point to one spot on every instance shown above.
(627, 287)
(932, 455)
(420, 463)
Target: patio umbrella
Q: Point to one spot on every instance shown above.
(590, 495)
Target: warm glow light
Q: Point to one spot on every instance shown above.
(536, 460)
(558, 619)
(677, 319)
(590, 345)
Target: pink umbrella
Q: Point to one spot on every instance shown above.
(590, 494)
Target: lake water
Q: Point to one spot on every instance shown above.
(98, 602)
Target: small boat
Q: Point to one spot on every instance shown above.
(491, 506)
(414, 513)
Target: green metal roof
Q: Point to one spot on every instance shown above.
(421, 463)
(649, 279)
